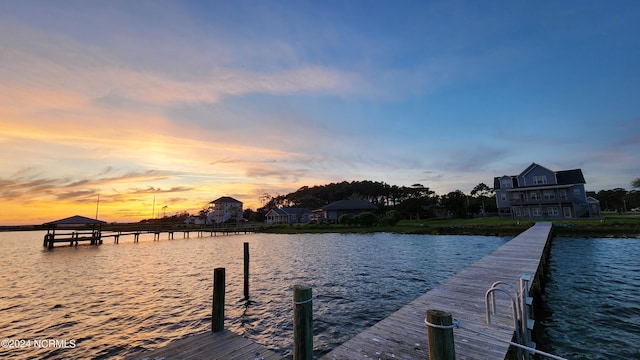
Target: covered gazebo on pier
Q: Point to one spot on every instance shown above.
(73, 230)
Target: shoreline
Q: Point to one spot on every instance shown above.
(623, 226)
(558, 230)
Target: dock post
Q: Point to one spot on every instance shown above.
(440, 335)
(246, 271)
(302, 323)
(217, 315)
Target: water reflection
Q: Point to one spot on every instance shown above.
(115, 300)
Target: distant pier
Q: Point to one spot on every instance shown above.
(78, 230)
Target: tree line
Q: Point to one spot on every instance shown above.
(418, 201)
(412, 202)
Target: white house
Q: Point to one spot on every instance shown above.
(224, 209)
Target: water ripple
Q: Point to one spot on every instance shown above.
(591, 299)
(116, 300)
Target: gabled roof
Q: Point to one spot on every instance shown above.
(497, 181)
(563, 177)
(290, 211)
(592, 200)
(296, 211)
(349, 205)
(277, 211)
(225, 199)
(530, 168)
(75, 220)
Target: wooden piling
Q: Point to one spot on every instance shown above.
(217, 315)
(246, 271)
(302, 323)
(441, 344)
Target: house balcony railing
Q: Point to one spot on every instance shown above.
(539, 201)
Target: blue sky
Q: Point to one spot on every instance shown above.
(186, 101)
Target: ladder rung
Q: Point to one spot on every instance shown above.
(528, 300)
(530, 324)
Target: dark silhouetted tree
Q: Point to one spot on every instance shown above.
(455, 203)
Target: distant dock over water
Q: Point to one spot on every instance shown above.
(76, 230)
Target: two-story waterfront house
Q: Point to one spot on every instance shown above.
(539, 193)
(224, 209)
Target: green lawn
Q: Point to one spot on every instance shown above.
(612, 224)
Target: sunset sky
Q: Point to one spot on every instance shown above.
(187, 101)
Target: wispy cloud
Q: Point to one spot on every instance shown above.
(92, 75)
(187, 101)
(28, 181)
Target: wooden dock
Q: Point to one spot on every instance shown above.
(88, 233)
(403, 335)
(223, 345)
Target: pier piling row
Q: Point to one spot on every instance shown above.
(74, 237)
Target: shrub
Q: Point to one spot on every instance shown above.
(367, 219)
(345, 219)
(392, 217)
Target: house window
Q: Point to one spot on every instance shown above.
(563, 195)
(576, 191)
(549, 195)
(533, 195)
(517, 212)
(553, 211)
(540, 180)
(503, 197)
(505, 183)
(535, 211)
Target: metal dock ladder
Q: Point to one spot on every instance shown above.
(521, 312)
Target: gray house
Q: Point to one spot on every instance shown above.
(334, 210)
(539, 193)
(287, 215)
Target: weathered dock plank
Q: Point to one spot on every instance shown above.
(403, 335)
(223, 345)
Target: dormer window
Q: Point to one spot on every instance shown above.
(505, 183)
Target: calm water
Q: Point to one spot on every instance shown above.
(114, 300)
(593, 299)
